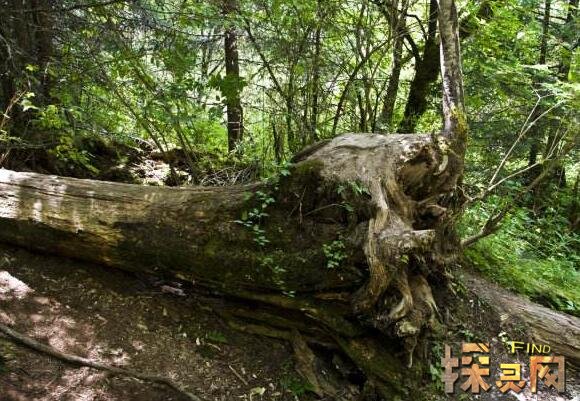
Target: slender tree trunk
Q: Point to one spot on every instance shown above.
(537, 132)
(398, 27)
(351, 78)
(563, 70)
(454, 116)
(426, 73)
(569, 35)
(316, 75)
(27, 29)
(362, 120)
(233, 81)
(545, 32)
(426, 67)
(290, 137)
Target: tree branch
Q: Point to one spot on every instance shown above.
(493, 223)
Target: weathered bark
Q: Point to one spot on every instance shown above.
(373, 204)
(131, 225)
(192, 233)
(544, 326)
(454, 117)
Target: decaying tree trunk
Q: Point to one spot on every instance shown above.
(347, 240)
(543, 325)
(371, 207)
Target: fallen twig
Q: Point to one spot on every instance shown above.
(77, 360)
(239, 376)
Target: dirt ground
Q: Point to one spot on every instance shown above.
(133, 322)
(116, 318)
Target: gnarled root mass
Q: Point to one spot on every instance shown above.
(341, 250)
(410, 180)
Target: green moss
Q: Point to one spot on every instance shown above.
(462, 126)
(212, 247)
(552, 282)
(306, 168)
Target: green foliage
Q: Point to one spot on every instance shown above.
(6, 354)
(537, 256)
(227, 85)
(435, 368)
(335, 253)
(296, 385)
(253, 221)
(68, 152)
(253, 218)
(351, 191)
(291, 381)
(26, 102)
(467, 334)
(358, 188)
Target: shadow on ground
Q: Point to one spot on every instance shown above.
(116, 318)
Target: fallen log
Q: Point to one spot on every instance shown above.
(544, 326)
(347, 240)
(340, 250)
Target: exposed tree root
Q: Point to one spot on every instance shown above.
(373, 205)
(77, 360)
(375, 359)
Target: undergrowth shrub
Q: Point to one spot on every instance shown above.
(535, 253)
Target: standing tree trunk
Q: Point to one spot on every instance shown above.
(454, 118)
(316, 66)
(538, 129)
(233, 82)
(427, 66)
(398, 29)
(547, 130)
(569, 36)
(27, 34)
(426, 73)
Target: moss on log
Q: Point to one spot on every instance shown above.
(346, 242)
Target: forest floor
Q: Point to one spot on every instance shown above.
(120, 319)
(116, 318)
